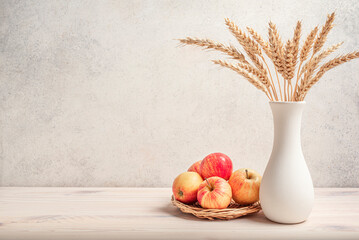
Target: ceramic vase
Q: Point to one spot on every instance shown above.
(286, 192)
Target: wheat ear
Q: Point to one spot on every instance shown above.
(322, 37)
(251, 48)
(257, 83)
(290, 58)
(326, 67)
(307, 46)
(258, 38)
(263, 78)
(288, 68)
(246, 42)
(276, 48)
(296, 40)
(209, 44)
(319, 42)
(277, 52)
(265, 46)
(310, 67)
(261, 68)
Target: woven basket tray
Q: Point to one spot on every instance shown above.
(234, 210)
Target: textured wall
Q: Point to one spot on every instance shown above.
(98, 93)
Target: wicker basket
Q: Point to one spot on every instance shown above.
(234, 210)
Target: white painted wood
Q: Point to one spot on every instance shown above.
(146, 213)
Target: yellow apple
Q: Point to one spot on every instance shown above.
(214, 192)
(245, 185)
(185, 187)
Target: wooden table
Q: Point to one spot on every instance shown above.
(146, 213)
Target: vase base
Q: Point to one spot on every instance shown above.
(286, 222)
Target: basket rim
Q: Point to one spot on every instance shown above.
(211, 214)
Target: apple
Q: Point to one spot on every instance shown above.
(214, 192)
(195, 167)
(245, 185)
(185, 187)
(216, 165)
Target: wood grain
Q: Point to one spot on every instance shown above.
(146, 213)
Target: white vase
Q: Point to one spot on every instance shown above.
(286, 192)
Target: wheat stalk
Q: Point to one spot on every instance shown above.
(288, 66)
(260, 41)
(296, 40)
(251, 48)
(307, 46)
(322, 37)
(247, 43)
(276, 50)
(318, 44)
(323, 69)
(265, 46)
(290, 58)
(250, 69)
(312, 65)
(304, 53)
(263, 78)
(257, 83)
(209, 44)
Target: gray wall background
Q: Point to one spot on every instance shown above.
(98, 93)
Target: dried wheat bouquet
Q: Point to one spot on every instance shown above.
(297, 68)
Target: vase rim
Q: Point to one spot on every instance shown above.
(286, 102)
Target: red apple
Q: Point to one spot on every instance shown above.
(214, 192)
(195, 167)
(185, 187)
(245, 185)
(216, 165)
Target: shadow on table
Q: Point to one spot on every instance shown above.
(173, 211)
(259, 218)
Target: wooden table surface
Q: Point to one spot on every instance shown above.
(146, 213)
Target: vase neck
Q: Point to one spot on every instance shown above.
(287, 122)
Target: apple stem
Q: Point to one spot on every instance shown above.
(209, 185)
(247, 174)
(207, 182)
